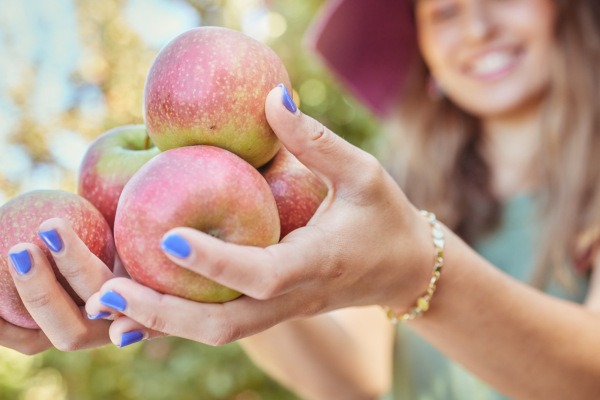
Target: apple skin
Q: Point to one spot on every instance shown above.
(202, 187)
(208, 86)
(20, 219)
(297, 191)
(110, 161)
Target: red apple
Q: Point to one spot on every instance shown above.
(202, 187)
(110, 161)
(297, 191)
(20, 219)
(208, 86)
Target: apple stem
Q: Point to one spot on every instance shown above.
(147, 142)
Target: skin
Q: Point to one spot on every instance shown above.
(367, 228)
(455, 34)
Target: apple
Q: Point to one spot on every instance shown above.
(297, 191)
(20, 219)
(110, 161)
(202, 187)
(208, 86)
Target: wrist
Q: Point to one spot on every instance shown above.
(435, 262)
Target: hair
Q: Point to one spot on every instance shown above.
(441, 167)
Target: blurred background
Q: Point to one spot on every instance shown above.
(72, 69)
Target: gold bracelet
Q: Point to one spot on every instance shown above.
(423, 302)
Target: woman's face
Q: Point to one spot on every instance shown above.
(491, 57)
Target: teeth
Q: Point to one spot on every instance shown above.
(491, 63)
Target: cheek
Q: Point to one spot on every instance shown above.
(533, 13)
(437, 48)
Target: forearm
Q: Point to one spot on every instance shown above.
(525, 343)
(328, 356)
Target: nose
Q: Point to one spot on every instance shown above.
(479, 21)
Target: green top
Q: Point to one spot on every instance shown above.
(423, 373)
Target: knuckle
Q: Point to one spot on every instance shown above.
(228, 333)
(217, 268)
(72, 265)
(72, 342)
(325, 139)
(155, 322)
(369, 184)
(311, 307)
(36, 299)
(155, 318)
(272, 287)
(29, 350)
(62, 345)
(373, 170)
(337, 272)
(318, 131)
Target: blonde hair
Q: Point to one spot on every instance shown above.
(439, 164)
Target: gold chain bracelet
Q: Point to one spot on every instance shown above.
(423, 302)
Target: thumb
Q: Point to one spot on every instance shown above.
(330, 157)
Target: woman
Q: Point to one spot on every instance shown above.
(497, 137)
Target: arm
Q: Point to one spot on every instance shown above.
(527, 344)
(368, 245)
(345, 354)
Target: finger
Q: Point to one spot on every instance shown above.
(49, 304)
(125, 331)
(26, 341)
(214, 324)
(95, 310)
(257, 272)
(84, 272)
(122, 298)
(330, 157)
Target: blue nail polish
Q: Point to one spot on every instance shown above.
(130, 338)
(113, 300)
(287, 100)
(21, 261)
(100, 315)
(51, 240)
(176, 246)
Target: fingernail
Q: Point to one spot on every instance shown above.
(100, 315)
(113, 300)
(21, 261)
(176, 246)
(130, 338)
(51, 240)
(287, 100)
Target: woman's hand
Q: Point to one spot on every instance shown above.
(62, 323)
(365, 245)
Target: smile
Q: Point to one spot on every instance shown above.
(494, 65)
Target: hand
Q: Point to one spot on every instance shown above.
(365, 245)
(62, 323)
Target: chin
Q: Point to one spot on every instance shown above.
(502, 103)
